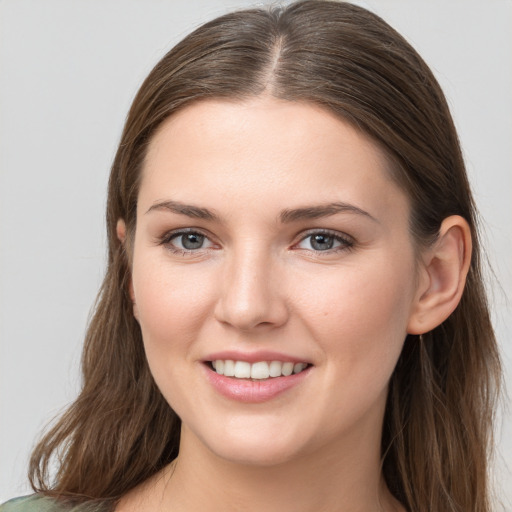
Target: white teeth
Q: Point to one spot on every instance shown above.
(259, 370)
(242, 370)
(275, 369)
(229, 368)
(287, 369)
(297, 368)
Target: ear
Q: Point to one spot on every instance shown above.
(443, 272)
(121, 230)
(121, 235)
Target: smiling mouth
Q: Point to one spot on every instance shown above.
(259, 370)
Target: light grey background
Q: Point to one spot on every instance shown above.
(68, 71)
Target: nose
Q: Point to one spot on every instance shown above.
(252, 296)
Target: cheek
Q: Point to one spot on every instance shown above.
(359, 321)
(171, 304)
(359, 315)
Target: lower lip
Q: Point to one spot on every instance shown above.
(254, 391)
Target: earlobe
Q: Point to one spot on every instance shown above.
(444, 270)
(121, 230)
(135, 309)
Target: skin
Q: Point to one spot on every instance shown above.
(258, 283)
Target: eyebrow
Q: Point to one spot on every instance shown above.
(185, 209)
(324, 210)
(287, 216)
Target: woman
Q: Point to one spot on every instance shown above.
(293, 314)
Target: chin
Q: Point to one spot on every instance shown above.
(261, 455)
(253, 446)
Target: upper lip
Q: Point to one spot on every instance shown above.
(254, 357)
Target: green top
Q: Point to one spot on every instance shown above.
(39, 503)
(32, 503)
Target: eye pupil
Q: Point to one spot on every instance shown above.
(192, 240)
(322, 242)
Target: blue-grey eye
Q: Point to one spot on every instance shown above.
(188, 241)
(322, 242)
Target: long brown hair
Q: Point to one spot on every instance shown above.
(437, 425)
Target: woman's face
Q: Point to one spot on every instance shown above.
(270, 234)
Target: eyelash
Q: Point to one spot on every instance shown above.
(166, 240)
(346, 242)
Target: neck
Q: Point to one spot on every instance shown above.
(330, 479)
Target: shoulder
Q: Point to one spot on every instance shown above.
(32, 503)
(41, 503)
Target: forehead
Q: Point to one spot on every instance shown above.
(267, 149)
